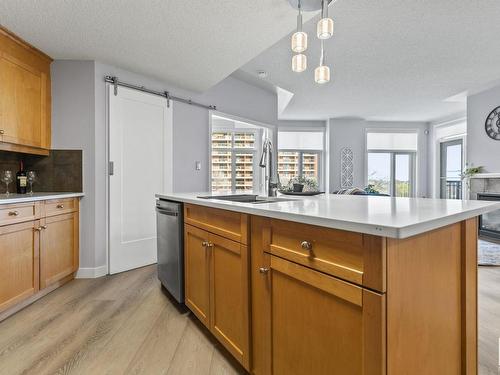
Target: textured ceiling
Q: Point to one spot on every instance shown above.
(392, 60)
(193, 44)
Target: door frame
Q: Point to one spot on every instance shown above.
(459, 140)
(107, 94)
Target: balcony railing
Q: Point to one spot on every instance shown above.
(453, 189)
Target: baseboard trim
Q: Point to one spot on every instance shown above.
(91, 273)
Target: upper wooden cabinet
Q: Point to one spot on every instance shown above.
(25, 101)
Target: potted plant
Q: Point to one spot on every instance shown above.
(298, 184)
(468, 174)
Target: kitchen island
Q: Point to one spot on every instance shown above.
(336, 284)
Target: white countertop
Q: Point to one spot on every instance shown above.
(20, 198)
(383, 216)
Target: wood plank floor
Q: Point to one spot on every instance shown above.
(489, 320)
(126, 324)
(122, 324)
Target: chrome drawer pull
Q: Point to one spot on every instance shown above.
(306, 245)
(60, 206)
(13, 213)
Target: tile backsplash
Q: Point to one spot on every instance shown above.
(484, 185)
(61, 171)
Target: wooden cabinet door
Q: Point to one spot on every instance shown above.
(59, 244)
(230, 295)
(322, 325)
(19, 262)
(197, 272)
(23, 103)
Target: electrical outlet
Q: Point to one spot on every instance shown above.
(197, 165)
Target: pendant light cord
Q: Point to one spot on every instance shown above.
(324, 9)
(299, 18)
(322, 56)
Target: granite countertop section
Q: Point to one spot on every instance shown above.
(382, 216)
(41, 196)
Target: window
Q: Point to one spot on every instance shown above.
(391, 162)
(234, 148)
(300, 154)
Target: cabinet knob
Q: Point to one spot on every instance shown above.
(60, 206)
(13, 213)
(306, 245)
(2, 132)
(44, 227)
(39, 229)
(263, 270)
(207, 244)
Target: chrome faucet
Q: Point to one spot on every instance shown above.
(266, 160)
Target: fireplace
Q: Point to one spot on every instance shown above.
(489, 224)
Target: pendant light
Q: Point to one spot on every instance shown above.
(325, 24)
(299, 38)
(299, 62)
(322, 72)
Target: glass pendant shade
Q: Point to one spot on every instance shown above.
(299, 63)
(322, 74)
(299, 42)
(325, 28)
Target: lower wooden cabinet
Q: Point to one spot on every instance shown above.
(197, 273)
(37, 254)
(319, 324)
(229, 290)
(305, 321)
(19, 263)
(58, 248)
(217, 288)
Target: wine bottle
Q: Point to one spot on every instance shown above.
(21, 179)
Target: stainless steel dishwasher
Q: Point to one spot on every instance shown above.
(169, 226)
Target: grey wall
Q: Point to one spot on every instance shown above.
(481, 149)
(79, 121)
(73, 128)
(351, 133)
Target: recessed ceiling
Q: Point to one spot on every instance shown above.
(192, 44)
(391, 60)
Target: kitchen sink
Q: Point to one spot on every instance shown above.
(246, 198)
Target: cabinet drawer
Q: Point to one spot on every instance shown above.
(228, 224)
(61, 206)
(11, 214)
(354, 257)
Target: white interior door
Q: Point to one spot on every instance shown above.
(140, 148)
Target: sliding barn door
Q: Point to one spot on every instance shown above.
(140, 154)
